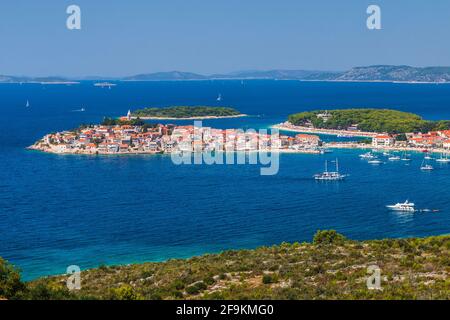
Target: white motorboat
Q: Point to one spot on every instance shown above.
(406, 206)
(367, 155)
(375, 161)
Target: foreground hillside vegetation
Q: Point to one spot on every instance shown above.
(186, 112)
(369, 120)
(332, 267)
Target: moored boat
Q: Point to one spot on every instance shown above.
(375, 161)
(367, 155)
(425, 166)
(443, 159)
(394, 158)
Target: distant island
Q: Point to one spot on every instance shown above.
(386, 73)
(186, 112)
(375, 73)
(331, 267)
(367, 120)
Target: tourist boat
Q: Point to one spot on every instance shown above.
(394, 158)
(443, 159)
(406, 206)
(330, 175)
(367, 155)
(425, 166)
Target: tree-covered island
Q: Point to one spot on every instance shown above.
(367, 120)
(186, 112)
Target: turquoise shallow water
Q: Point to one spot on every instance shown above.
(57, 211)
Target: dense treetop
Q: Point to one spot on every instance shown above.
(370, 120)
(186, 112)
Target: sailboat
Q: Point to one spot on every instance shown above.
(443, 159)
(27, 104)
(219, 98)
(405, 157)
(330, 175)
(425, 166)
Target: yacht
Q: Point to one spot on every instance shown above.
(330, 175)
(406, 206)
(367, 155)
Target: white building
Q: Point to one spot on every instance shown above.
(383, 141)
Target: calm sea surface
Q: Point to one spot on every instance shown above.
(56, 211)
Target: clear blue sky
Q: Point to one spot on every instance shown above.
(209, 36)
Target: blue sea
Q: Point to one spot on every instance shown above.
(61, 210)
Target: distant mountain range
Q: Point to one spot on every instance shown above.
(370, 73)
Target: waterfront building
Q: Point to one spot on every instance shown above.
(446, 144)
(383, 140)
(308, 139)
